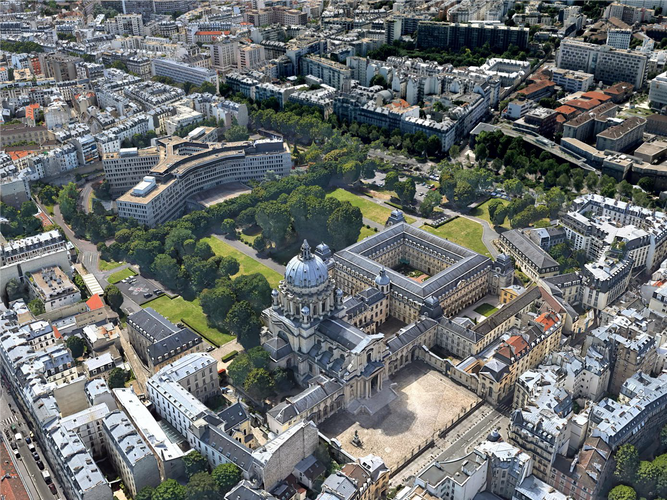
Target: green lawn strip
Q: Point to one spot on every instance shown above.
(482, 212)
(108, 265)
(485, 309)
(248, 265)
(189, 313)
(369, 209)
(365, 232)
(121, 275)
(462, 231)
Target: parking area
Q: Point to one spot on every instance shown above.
(139, 289)
(427, 402)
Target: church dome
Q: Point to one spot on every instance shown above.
(306, 270)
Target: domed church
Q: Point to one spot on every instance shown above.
(328, 340)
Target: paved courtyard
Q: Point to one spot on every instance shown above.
(427, 401)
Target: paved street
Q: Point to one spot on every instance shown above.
(488, 235)
(25, 466)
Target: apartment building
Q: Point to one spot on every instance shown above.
(162, 194)
(456, 36)
(20, 133)
(27, 255)
(658, 90)
(128, 167)
(331, 73)
(132, 458)
(54, 288)
(619, 38)
(224, 54)
(607, 64)
(157, 341)
(125, 24)
(533, 260)
(624, 137)
(181, 72)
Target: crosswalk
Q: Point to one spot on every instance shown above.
(6, 422)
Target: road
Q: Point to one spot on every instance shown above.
(459, 441)
(488, 235)
(25, 465)
(250, 252)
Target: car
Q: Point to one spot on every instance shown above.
(28, 440)
(40, 465)
(35, 455)
(13, 445)
(52, 488)
(147, 294)
(157, 291)
(210, 348)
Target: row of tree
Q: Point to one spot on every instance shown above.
(640, 478)
(201, 485)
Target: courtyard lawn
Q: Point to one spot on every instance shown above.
(482, 212)
(180, 310)
(370, 210)
(365, 232)
(485, 309)
(121, 275)
(108, 265)
(248, 265)
(462, 231)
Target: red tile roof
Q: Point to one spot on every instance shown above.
(95, 302)
(583, 103)
(592, 94)
(547, 320)
(565, 109)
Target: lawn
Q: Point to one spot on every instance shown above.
(482, 212)
(485, 309)
(365, 232)
(178, 309)
(369, 209)
(462, 231)
(108, 265)
(121, 275)
(248, 265)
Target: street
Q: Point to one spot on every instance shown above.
(25, 465)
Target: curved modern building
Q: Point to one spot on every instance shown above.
(189, 167)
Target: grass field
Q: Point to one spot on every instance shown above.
(462, 231)
(365, 232)
(108, 265)
(247, 264)
(121, 275)
(485, 309)
(482, 212)
(178, 309)
(369, 209)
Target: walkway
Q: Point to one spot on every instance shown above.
(488, 235)
(250, 252)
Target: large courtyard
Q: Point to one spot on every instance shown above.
(427, 402)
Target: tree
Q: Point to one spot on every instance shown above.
(344, 225)
(622, 492)
(391, 180)
(513, 187)
(14, 289)
(592, 181)
(207, 88)
(169, 490)
(114, 297)
(228, 266)
(175, 241)
(36, 307)
(195, 463)
(75, 345)
(67, 201)
(216, 304)
(646, 183)
(274, 218)
(145, 493)
(203, 250)
(378, 80)
(350, 172)
(500, 216)
(259, 383)
(237, 133)
(627, 463)
(239, 369)
(117, 378)
(481, 152)
(166, 270)
(259, 244)
(202, 487)
(663, 437)
(493, 207)
(228, 227)
(244, 323)
(433, 145)
(578, 179)
(226, 476)
(647, 478)
(431, 200)
(464, 194)
(406, 191)
(253, 288)
(454, 151)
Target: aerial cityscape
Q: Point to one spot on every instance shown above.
(333, 250)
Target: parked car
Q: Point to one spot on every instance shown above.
(28, 440)
(52, 488)
(35, 455)
(40, 465)
(148, 294)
